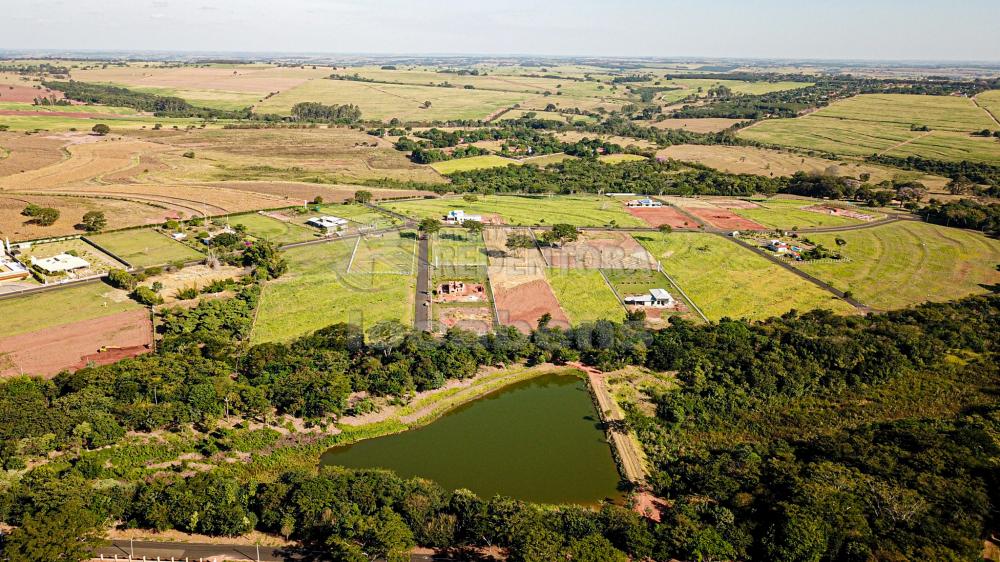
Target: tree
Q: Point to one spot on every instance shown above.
(264, 255)
(362, 196)
(101, 129)
(121, 279)
(473, 227)
(426, 105)
(70, 533)
(429, 225)
(516, 242)
(42, 216)
(94, 221)
(665, 229)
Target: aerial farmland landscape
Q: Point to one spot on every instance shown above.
(385, 281)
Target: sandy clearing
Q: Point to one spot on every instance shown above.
(20, 153)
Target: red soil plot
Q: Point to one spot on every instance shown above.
(73, 346)
(658, 216)
(522, 305)
(25, 94)
(721, 218)
(605, 250)
(478, 319)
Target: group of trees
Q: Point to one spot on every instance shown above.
(964, 213)
(42, 216)
(963, 173)
(165, 106)
(313, 111)
(829, 437)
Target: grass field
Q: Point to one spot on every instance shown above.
(317, 292)
(389, 253)
(145, 248)
(457, 247)
(868, 124)
(904, 263)
(991, 102)
(274, 230)
(525, 210)
(472, 163)
(789, 213)
(724, 279)
(619, 158)
(584, 296)
(62, 306)
(405, 102)
(359, 215)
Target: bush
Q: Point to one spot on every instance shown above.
(145, 295)
(121, 279)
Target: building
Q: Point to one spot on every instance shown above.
(328, 222)
(61, 263)
(778, 246)
(10, 268)
(453, 287)
(458, 216)
(658, 298)
(647, 202)
(178, 236)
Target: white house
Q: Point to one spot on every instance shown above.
(327, 221)
(647, 202)
(59, 263)
(658, 298)
(458, 216)
(777, 246)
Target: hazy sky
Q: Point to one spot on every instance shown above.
(855, 29)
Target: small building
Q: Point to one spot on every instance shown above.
(646, 202)
(178, 236)
(60, 263)
(453, 287)
(658, 298)
(458, 216)
(327, 222)
(777, 246)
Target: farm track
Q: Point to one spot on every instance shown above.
(975, 100)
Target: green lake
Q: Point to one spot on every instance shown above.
(538, 440)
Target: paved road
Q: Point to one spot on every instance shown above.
(422, 317)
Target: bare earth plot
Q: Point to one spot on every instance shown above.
(599, 250)
(520, 289)
(69, 324)
(659, 216)
(905, 263)
(20, 153)
(725, 280)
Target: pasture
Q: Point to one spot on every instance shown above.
(725, 280)
(584, 296)
(66, 305)
(774, 163)
(869, 124)
(578, 210)
(990, 101)
(120, 213)
(788, 214)
(145, 248)
(317, 291)
(391, 253)
(472, 163)
(620, 158)
(272, 229)
(386, 101)
(905, 263)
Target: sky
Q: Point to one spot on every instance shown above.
(792, 29)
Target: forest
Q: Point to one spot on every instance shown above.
(832, 438)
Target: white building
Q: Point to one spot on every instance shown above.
(458, 216)
(60, 263)
(658, 298)
(647, 202)
(327, 221)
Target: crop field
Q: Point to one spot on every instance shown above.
(868, 124)
(62, 306)
(472, 163)
(708, 125)
(905, 263)
(774, 163)
(584, 296)
(787, 214)
(404, 102)
(89, 159)
(578, 210)
(317, 292)
(272, 229)
(145, 248)
(724, 279)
